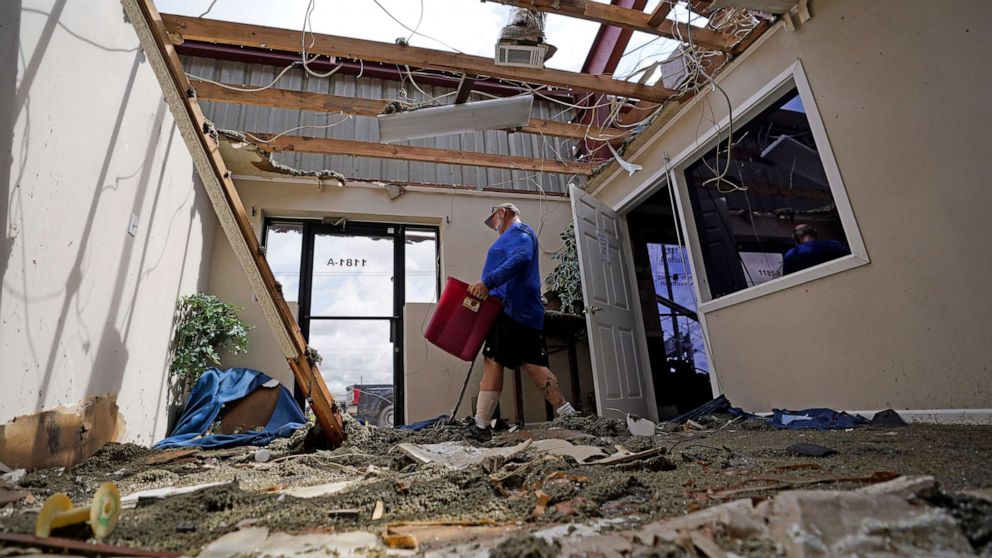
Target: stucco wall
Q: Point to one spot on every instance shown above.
(464, 241)
(86, 140)
(903, 95)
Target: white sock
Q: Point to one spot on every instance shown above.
(566, 409)
(485, 408)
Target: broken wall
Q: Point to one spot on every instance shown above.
(900, 92)
(86, 307)
(464, 240)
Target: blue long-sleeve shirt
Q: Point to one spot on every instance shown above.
(812, 252)
(511, 273)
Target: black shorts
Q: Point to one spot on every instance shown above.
(512, 344)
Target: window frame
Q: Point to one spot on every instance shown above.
(792, 78)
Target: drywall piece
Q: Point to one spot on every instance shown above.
(257, 541)
(61, 437)
(317, 490)
(878, 520)
(835, 523)
(640, 426)
(581, 454)
(456, 455)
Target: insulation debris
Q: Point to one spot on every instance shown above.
(575, 484)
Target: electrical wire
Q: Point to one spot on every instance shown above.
(308, 28)
(414, 31)
(284, 132)
(244, 89)
(207, 11)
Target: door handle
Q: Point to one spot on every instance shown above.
(591, 309)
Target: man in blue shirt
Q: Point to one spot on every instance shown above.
(517, 337)
(809, 251)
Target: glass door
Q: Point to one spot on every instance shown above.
(349, 313)
(354, 280)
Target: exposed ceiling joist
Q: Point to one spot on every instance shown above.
(354, 148)
(660, 13)
(319, 102)
(635, 20)
(223, 32)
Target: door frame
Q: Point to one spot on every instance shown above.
(645, 191)
(312, 227)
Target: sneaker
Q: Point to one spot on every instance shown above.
(566, 410)
(480, 435)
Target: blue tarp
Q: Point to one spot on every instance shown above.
(427, 423)
(815, 419)
(807, 419)
(211, 392)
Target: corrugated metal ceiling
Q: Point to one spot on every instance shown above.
(274, 120)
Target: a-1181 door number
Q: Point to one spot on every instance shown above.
(347, 262)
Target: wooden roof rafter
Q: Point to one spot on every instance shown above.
(183, 28)
(354, 148)
(626, 18)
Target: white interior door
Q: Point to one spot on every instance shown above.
(615, 335)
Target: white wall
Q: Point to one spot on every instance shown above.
(86, 140)
(903, 96)
(464, 242)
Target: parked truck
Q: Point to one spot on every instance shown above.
(371, 403)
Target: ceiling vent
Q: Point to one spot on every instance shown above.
(520, 55)
(521, 42)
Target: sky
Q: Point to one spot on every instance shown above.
(470, 26)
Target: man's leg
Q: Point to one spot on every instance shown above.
(489, 392)
(547, 381)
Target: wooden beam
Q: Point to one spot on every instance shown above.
(224, 32)
(217, 182)
(326, 146)
(319, 102)
(635, 20)
(660, 13)
(464, 89)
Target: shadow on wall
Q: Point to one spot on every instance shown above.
(10, 35)
(75, 278)
(175, 402)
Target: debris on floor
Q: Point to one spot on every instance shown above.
(574, 487)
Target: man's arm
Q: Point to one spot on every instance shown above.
(520, 255)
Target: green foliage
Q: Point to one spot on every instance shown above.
(204, 327)
(564, 280)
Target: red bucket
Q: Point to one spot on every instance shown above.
(461, 321)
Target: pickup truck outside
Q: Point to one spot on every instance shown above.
(371, 403)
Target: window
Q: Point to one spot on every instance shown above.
(421, 265)
(284, 250)
(766, 208)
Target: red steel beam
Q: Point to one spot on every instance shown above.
(604, 56)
